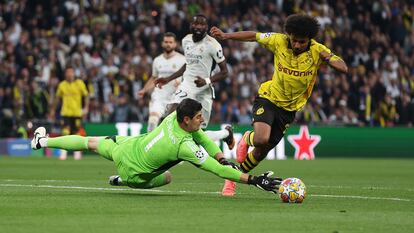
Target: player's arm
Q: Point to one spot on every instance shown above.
(148, 87)
(85, 109)
(263, 181)
(241, 36)
(334, 61)
(162, 81)
(201, 138)
(85, 95)
(55, 102)
(190, 152)
(222, 74)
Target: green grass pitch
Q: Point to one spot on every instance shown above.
(345, 195)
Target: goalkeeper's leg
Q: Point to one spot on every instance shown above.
(144, 182)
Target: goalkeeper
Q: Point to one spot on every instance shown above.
(143, 161)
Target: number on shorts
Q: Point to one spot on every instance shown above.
(181, 94)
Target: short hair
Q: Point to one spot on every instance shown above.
(170, 34)
(68, 67)
(301, 25)
(200, 16)
(187, 107)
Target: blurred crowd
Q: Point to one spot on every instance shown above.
(111, 45)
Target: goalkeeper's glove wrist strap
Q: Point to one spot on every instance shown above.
(252, 180)
(221, 160)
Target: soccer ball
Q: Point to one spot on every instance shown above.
(292, 190)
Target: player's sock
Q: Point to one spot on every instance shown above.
(249, 138)
(77, 155)
(217, 135)
(63, 155)
(70, 142)
(229, 188)
(249, 163)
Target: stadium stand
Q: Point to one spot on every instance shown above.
(111, 44)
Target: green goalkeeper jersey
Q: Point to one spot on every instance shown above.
(166, 146)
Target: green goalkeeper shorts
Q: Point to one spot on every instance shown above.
(113, 148)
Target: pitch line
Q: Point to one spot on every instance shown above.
(186, 191)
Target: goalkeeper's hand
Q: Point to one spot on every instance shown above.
(266, 182)
(225, 162)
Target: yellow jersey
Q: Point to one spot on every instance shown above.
(294, 76)
(71, 94)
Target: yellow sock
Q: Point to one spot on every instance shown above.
(249, 139)
(249, 163)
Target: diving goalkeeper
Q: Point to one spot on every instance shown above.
(143, 161)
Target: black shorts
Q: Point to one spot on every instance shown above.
(279, 119)
(71, 125)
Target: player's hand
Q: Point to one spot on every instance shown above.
(217, 33)
(200, 81)
(325, 56)
(141, 93)
(159, 82)
(225, 162)
(266, 182)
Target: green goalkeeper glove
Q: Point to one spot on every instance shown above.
(266, 182)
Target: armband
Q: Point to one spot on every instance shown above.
(208, 81)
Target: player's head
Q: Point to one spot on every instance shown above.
(189, 115)
(169, 42)
(301, 29)
(199, 27)
(69, 73)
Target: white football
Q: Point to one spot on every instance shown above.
(292, 190)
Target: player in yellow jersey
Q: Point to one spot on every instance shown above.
(297, 58)
(71, 91)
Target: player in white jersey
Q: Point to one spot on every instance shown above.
(202, 52)
(164, 65)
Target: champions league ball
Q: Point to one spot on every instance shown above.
(292, 190)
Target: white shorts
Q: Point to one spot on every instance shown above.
(204, 96)
(160, 101)
(158, 107)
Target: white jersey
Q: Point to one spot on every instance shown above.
(200, 58)
(162, 68)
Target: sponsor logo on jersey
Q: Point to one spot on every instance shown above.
(260, 111)
(288, 71)
(264, 35)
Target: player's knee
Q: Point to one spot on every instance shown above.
(168, 177)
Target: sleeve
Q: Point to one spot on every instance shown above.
(225, 172)
(217, 52)
(320, 47)
(192, 153)
(201, 138)
(268, 40)
(154, 68)
(82, 87)
(59, 91)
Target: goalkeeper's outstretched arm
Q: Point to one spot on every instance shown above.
(264, 181)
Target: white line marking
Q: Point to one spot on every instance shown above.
(104, 189)
(361, 197)
(188, 192)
